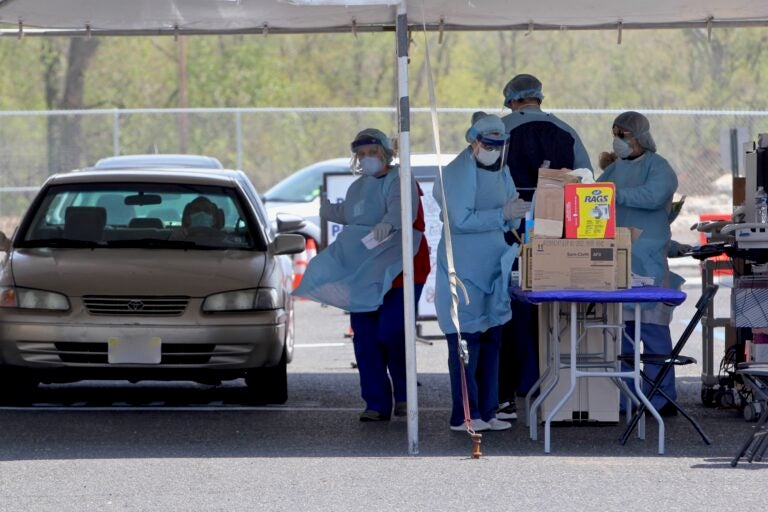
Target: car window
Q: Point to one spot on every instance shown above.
(142, 215)
(302, 186)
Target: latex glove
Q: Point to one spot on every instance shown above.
(682, 249)
(605, 159)
(516, 208)
(329, 210)
(381, 230)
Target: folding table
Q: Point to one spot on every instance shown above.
(635, 296)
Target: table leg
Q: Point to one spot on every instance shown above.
(553, 362)
(639, 380)
(572, 388)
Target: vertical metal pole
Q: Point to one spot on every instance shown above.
(406, 216)
(116, 132)
(239, 138)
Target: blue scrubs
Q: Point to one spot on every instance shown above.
(483, 261)
(352, 277)
(644, 190)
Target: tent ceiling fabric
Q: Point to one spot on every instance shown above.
(286, 16)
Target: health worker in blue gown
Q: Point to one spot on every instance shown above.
(536, 139)
(480, 205)
(361, 271)
(645, 184)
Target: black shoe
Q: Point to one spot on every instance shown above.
(507, 411)
(668, 410)
(401, 409)
(369, 415)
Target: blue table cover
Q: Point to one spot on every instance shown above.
(630, 295)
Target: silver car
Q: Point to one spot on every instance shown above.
(108, 277)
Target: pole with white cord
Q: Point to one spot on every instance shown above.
(406, 217)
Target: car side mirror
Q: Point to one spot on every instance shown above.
(5, 242)
(287, 223)
(287, 244)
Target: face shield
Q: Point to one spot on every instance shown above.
(492, 151)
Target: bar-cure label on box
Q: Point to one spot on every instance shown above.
(590, 210)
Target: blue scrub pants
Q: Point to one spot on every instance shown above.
(379, 342)
(656, 340)
(519, 355)
(482, 374)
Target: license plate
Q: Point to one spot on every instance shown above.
(134, 350)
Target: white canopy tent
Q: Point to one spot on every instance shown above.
(199, 17)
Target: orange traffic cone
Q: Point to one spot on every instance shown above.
(311, 249)
(300, 262)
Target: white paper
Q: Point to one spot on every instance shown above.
(370, 242)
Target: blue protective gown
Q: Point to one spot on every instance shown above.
(644, 190)
(533, 113)
(483, 259)
(348, 275)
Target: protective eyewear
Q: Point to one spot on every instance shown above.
(492, 143)
(623, 134)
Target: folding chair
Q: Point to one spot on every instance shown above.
(667, 362)
(755, 376)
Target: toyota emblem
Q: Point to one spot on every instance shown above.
(135, 305)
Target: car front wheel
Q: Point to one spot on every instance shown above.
(269, 385)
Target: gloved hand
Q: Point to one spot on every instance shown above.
(381, 230)
(605, 159)
(329, 210)
(516, 208)
(682, 249)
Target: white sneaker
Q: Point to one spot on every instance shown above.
(478, 425)
(497, 424)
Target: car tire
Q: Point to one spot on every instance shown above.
(16, 386)
(269, 385)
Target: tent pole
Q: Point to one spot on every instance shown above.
(406, 216)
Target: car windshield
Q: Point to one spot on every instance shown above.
(142, 215)
(301, 187)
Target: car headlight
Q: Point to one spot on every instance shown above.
(242, 300)
(26, 298)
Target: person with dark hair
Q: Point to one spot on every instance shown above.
(537, 139)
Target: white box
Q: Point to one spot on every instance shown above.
(758, 352)
(596, 399)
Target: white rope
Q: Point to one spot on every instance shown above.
(453, 279)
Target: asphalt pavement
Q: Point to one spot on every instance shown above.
(182, 446)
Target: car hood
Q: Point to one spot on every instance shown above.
(78, 272)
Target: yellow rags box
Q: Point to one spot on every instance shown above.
(590, 210)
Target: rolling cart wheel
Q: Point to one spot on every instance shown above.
(750, 414)
(707, 396)
(727, 399)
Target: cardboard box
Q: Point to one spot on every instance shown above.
(579, 264)
(548, 211)
(623, 258)
(590, 210)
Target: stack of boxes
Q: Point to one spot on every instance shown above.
(575, 243)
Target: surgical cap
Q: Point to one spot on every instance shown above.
(639, 126)
(372, 136)
(487, 126)
(521, 87)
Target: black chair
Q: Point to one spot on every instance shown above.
(755, 376)
(667, 361)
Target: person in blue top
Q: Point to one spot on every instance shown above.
(536, 139)
(361, 271)
(645, 184)
(481, 204)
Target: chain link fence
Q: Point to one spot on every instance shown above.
(269, 144)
